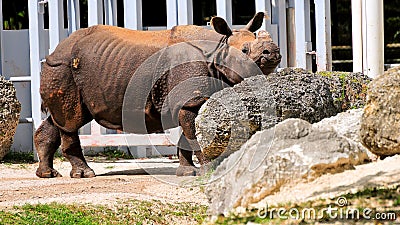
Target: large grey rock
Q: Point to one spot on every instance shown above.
(346, 124)
(293, 151)
(230, 117)
(10, 109)
(380, 126)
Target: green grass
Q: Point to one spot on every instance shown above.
(379, 200)
(130, 212)
(109, 167)
(112, 153)
(25, 158)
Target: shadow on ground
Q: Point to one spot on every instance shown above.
(142, 171)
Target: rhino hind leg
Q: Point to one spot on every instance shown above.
(188, 145)
(47, 140)
(72, 150)
(186, 165)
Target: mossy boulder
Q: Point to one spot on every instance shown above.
(349, 90)
(10, 109)
(231, 116)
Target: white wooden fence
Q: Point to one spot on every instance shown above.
(43, 42)
(289, 25)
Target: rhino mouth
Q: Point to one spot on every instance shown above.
(268, 64)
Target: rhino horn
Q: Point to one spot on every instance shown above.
(220, 26)
(256, 22)
(262, 34)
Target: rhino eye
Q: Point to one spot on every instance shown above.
(245, 50)
(266, 52)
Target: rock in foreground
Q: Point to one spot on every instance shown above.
(380, 126)
(292, 151)
(10, 109)
(230, 117)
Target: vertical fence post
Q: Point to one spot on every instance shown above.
(356, 29)
(374, 41)
(291, 34)
(110, 12)
(56, 23)
(282, 29)
(133, 14)
(95, 12)
(35, 26)
(224, 10)
(1, 42)
(74, 22)
(172, 16)
(185, 12)
(301, 48)
(303, 34)
(323, 35)
(35, 53)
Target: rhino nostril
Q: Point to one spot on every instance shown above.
(266, 52)
(274, 57)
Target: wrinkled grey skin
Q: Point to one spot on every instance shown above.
(87, 76)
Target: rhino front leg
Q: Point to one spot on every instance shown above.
(71, 149)
(188, 145)
(186, 166)
(47, 139)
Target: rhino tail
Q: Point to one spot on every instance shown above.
(51, 61)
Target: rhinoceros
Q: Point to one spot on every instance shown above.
(91, 73)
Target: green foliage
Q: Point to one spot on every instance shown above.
(14, 23)
(397, 201)
(342, 78)
(113, 153)
(381, 193)
(130, 212)
(392, 21)
(15, 15)
(327, 74)
(382, 200)
(18, 157)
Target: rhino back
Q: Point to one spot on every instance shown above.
(191, 33)
(104, 60)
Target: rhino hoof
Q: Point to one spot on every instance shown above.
(49, 173)
(187, 171)
(82, 173)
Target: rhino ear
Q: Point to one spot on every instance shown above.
(220, 26)
(256, 22)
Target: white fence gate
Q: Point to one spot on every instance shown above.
(289, 25)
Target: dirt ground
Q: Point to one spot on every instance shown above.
(154, 179)
(149, 179)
